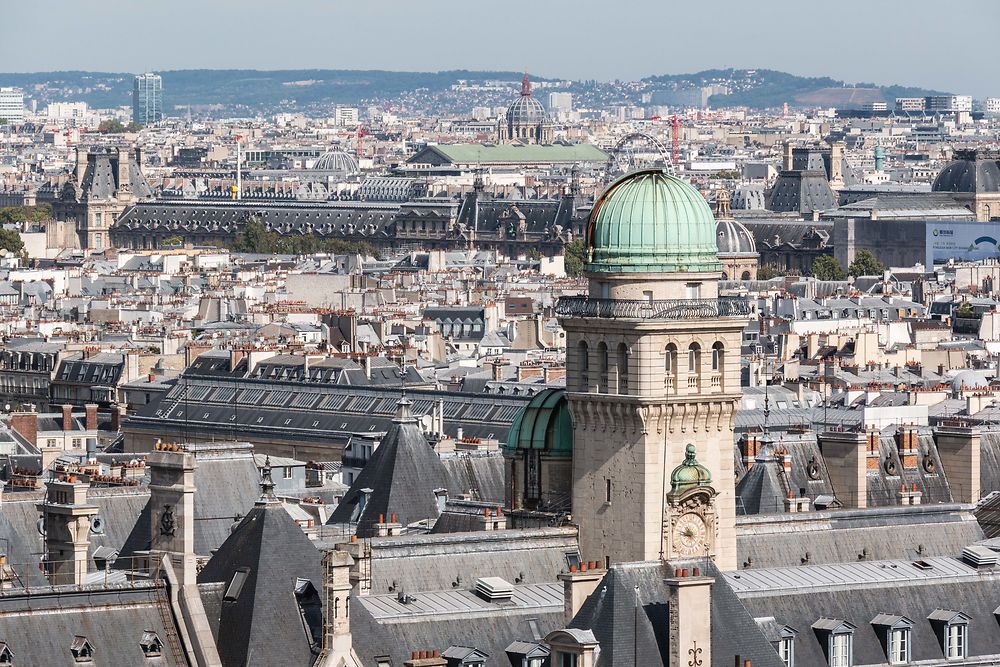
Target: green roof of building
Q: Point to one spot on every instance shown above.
(506, 153)
(689, 474)
(650, 221)
(544, 424)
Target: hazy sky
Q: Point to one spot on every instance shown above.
(944, 45)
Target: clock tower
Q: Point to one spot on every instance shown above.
(653, 376)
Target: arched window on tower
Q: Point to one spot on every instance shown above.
(718, 365)
(623, 359)
(694, 366)
(583, 362)
(670, 368)
(602, 361)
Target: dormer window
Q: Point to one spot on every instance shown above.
(952, 629)
(894, 633)
(786, 647)
(6, 655)
(837, 637)
(82, 649)
(150, 644)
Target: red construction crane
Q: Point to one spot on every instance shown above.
(675, 153)
(361, 133)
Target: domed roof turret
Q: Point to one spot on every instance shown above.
(650, 221)
(733, 238)
(526, 109)
(336, 161)
(689, 474)
(544, 424)
(971, 171)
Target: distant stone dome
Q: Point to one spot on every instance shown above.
(526, 110)
(970, 379)
(971, 171)
(336, 161)
(733, 238)
(651, 221)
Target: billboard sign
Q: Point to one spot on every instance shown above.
(961, 241)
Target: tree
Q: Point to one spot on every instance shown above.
(766, 272)
(113, 126)
(175, 240)
(826, 267)
(11, 241)
(575, 254)
(133, 127)
(865, 264)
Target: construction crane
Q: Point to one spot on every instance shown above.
(361, 134)
(675, 152)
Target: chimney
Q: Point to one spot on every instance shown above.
(427, 658)
(49, 456)
(91, 411)
(578, 584)
(493, 519)
(67, 417)
(846, 461)
(117, 412)
(959, 448)
(26, 425)
(787, 161)
(81, 164)
(67, 516)
(690, 596)
(337, 642)
(171, 501)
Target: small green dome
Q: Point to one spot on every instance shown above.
(650, 221)
(689, 474)
(544, 424)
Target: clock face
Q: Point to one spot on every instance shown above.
(689, 535)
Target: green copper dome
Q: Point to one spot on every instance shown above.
(650, 221)
(689, 474)
(544, 424)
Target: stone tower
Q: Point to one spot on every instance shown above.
(652, 366)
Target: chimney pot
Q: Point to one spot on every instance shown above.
(696, 572)
(684, 572)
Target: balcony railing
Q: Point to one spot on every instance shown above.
(666, 309)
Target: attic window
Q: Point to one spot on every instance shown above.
(82, 649)
(6, 655)
(150, 644)
(383, 661)
(236, 584)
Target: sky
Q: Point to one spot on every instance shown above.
(927, 43)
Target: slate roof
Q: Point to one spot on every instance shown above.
(860, 592)
(905, 532)
(227, 486)
(381, 625)
(402, 474)
(630, 639)
(260, 620)
(39, 627)
(313, 412)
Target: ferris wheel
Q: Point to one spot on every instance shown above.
(637, 150)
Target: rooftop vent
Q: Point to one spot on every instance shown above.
(494, 589)
(979, 556)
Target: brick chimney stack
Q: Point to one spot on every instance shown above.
(91, 420)
(67, 417)
(26, 424)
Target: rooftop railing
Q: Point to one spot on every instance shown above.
(664, 309)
